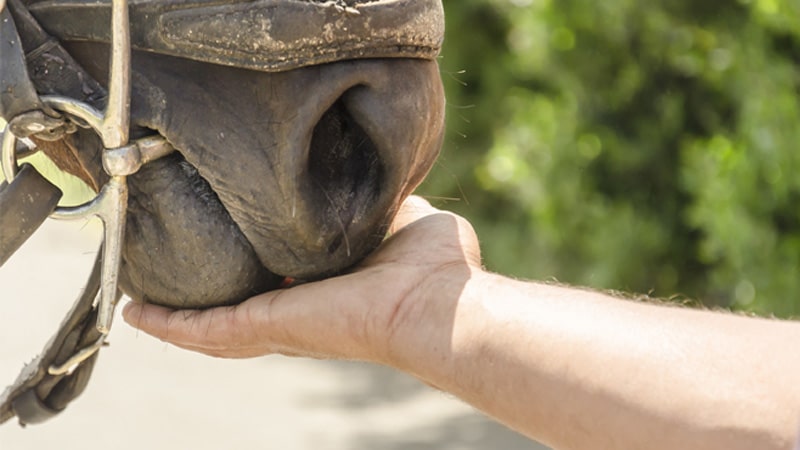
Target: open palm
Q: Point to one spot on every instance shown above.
(358, 315)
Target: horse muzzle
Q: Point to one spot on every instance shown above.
(293, 174)
(290, 164)
(233, 144)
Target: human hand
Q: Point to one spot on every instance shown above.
(389, 303)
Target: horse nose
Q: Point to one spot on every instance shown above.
(344, 169)
(343, 189)
(366, 152)
(311, 164)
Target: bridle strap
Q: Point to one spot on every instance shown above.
(52, 69)
(29, 73)
(17, 92)
(38, 394)
(53, 379)
(25, 204)
(264, 35)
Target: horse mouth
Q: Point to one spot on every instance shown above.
(343, 176)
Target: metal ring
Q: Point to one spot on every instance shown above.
(88, 114)
(8, 156)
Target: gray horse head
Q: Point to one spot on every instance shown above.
(300, 126)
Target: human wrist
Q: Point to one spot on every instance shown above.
(424, 340)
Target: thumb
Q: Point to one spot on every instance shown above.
(411, 210)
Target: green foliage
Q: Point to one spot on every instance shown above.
(644, 146)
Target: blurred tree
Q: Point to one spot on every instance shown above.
(642, 146)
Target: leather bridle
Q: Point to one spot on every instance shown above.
(48, 107)
(120, 159)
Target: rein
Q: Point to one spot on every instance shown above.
(45, 96)
(61, 372)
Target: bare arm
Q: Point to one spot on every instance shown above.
(580, 370)
(569, 367)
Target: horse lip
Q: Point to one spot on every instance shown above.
(168, 198)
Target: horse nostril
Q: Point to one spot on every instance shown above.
(344, 168)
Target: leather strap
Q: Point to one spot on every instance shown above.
(19, 101)
(17, 93)
(25, 204)
(52, 69)
(265, 35)
(37, 395)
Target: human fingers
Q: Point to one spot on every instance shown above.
(212, 332)
(327, 319)
(197, 330)
(174, 326)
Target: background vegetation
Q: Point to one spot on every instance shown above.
(647, 146)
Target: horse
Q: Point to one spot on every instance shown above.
(236, 147)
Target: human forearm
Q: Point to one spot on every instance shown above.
(579, 369)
